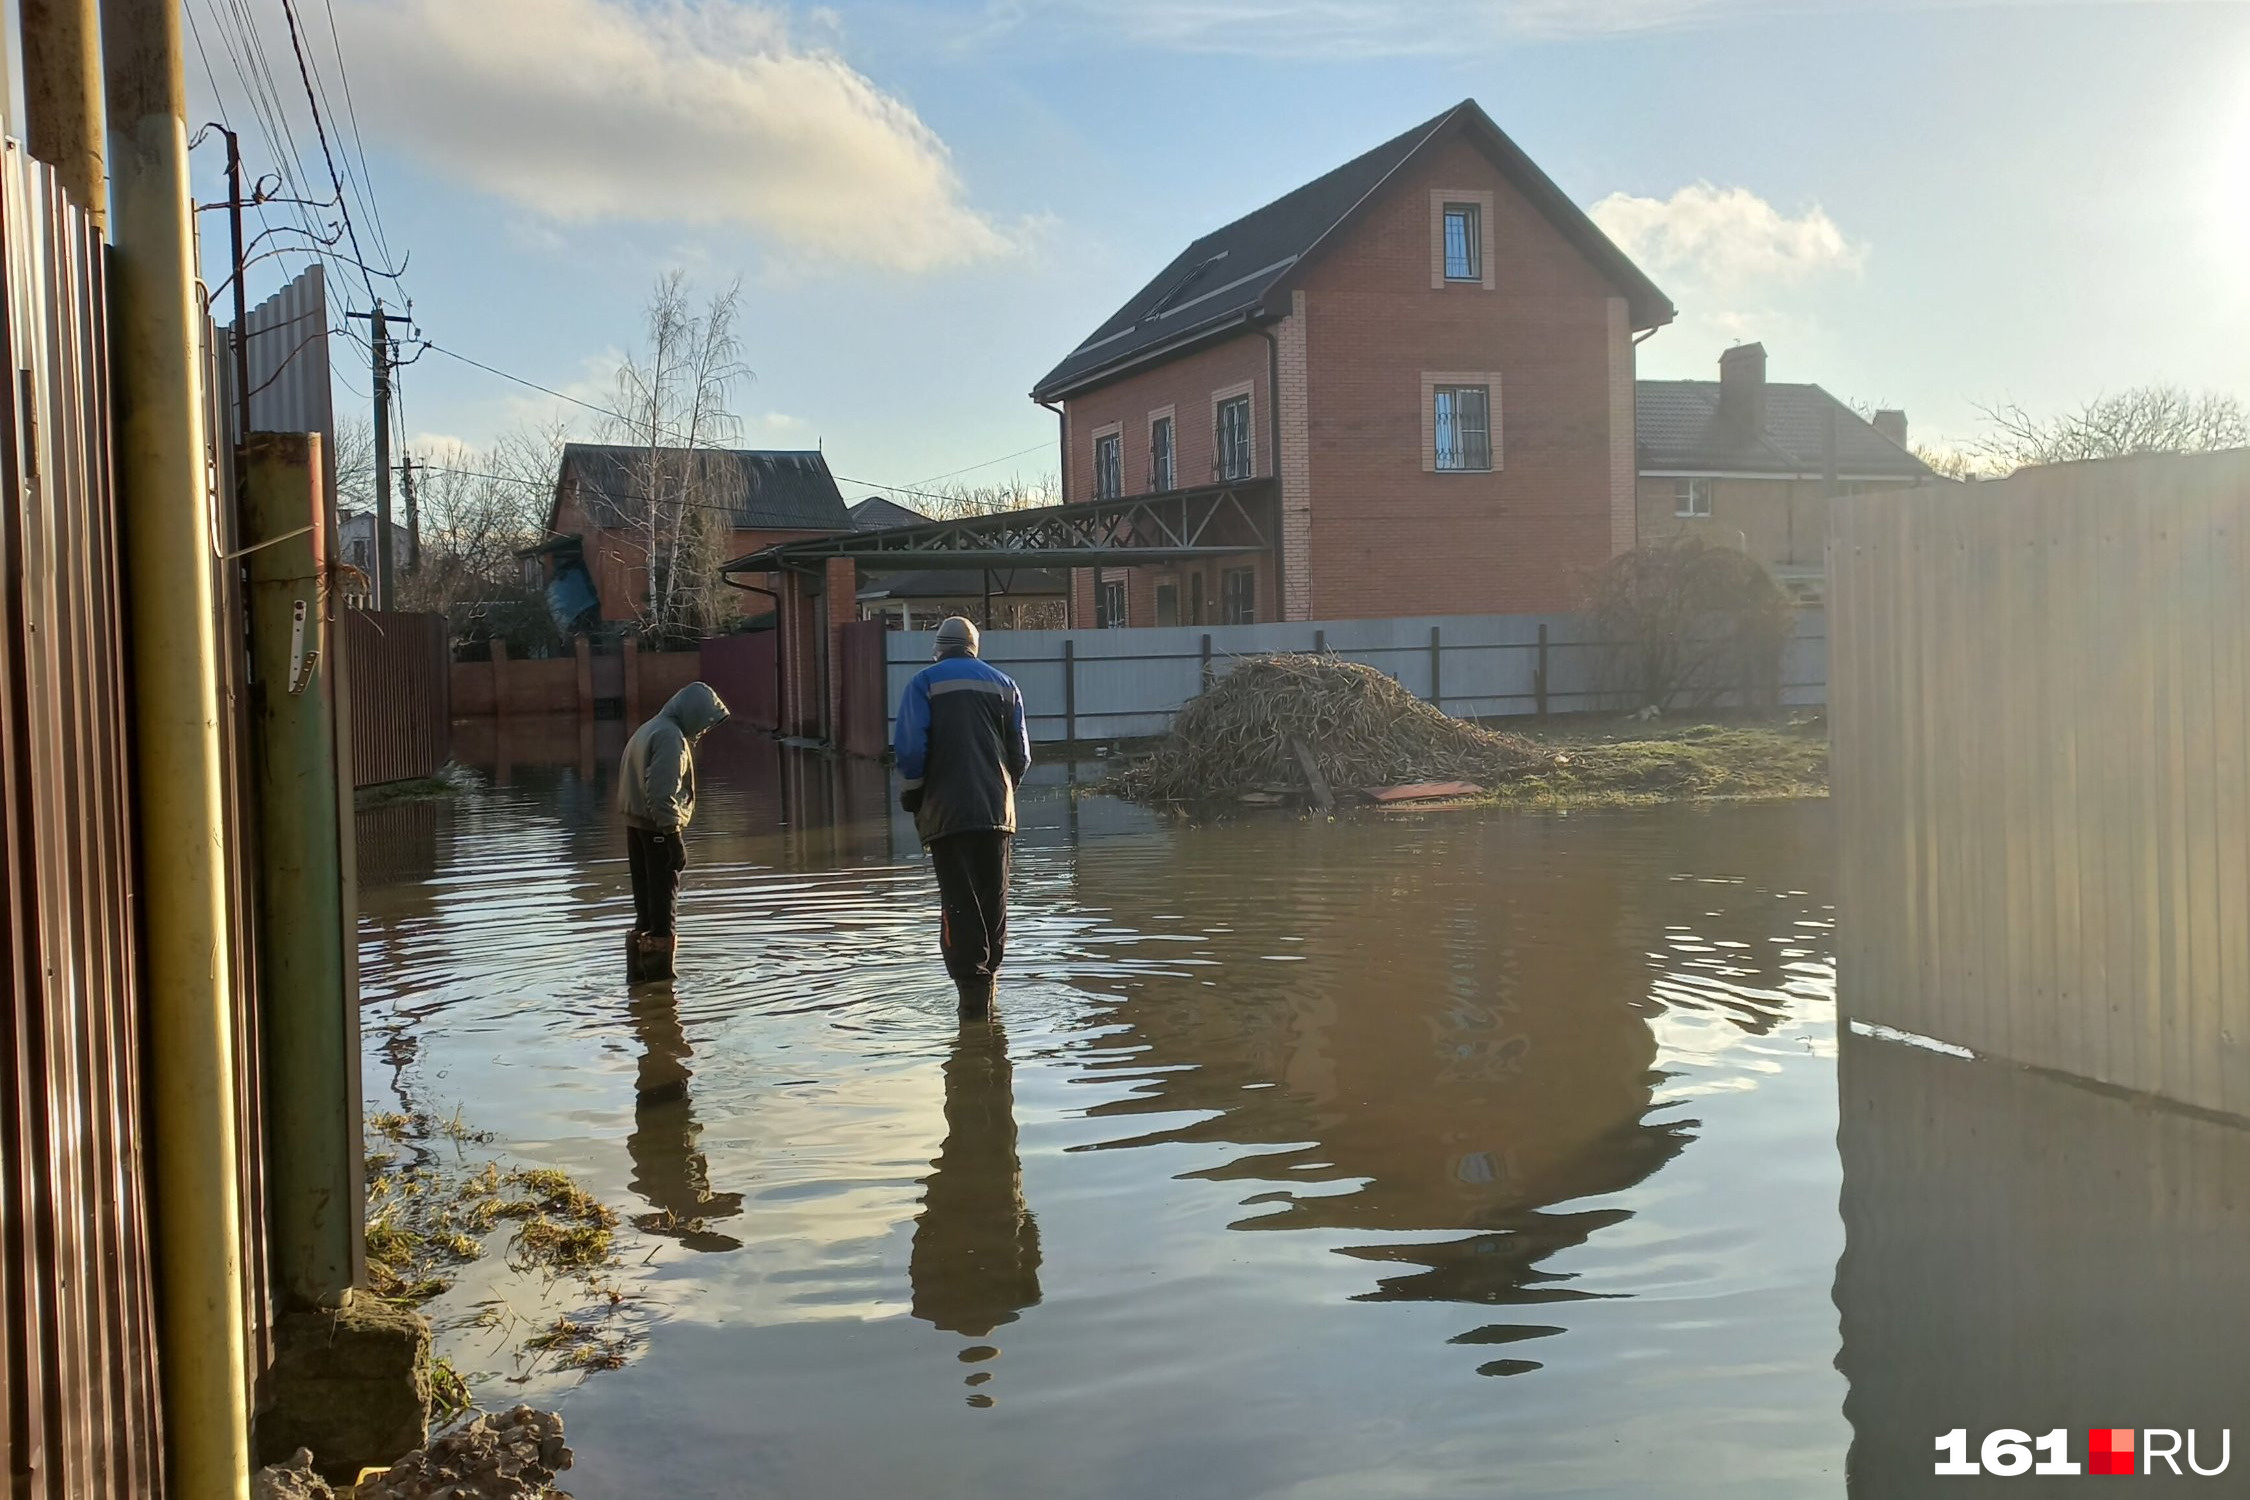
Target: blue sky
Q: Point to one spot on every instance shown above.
(1925, 205)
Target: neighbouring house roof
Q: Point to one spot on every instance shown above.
(877, 514)
(1242, 274)
(768, 489)
(1679, 428)
(968, 583)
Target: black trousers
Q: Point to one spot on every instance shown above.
(972, 878)
(656, 860)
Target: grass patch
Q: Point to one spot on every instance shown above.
(1641, 765)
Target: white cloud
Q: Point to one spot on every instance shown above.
(1727, 240)
(1359, 28)
(700, 112)
(1738, 268)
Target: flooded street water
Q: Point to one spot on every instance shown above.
(1448, 1154)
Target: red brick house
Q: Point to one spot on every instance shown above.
(593, 523)
(1743, 461)
(1422, 363)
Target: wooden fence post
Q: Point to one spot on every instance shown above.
(585, 648)
(1539, 675)
(1437, 665)
(499, 678)
(1320, 643)
(1207, 661)
(1070, 691)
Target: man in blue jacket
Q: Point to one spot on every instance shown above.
(963, 747)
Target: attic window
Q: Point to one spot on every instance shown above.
(1464, 242)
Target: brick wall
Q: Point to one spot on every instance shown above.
(1389, 537)
(619, 563)
(1186, 385)
(1778, 521)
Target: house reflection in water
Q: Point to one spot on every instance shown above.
(1418, 1036)
(975, 1261)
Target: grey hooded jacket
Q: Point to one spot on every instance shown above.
(656, 780)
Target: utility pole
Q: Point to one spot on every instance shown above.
(62, 97)
(385, 563)
(179, 768)
(379, 336)
(413, 519)
(241, 300)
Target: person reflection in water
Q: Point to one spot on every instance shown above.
(975, 1261)
(668, 1171)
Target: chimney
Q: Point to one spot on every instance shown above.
(1742, 388)
(1892, 424)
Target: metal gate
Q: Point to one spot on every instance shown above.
(78, 1364)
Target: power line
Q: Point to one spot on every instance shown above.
(988, 463)
(359, 140)
(320, 128)
(895, 489)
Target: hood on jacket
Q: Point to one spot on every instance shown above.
(695, 708)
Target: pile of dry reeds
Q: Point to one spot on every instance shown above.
(1361, 729)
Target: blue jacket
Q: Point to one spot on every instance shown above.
(962, 746)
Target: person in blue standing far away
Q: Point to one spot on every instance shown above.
(963, 747)
(656, 796)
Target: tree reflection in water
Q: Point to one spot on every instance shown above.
(975, 1262)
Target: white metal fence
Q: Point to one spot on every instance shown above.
(1087, 685)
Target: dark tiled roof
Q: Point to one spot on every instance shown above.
(1678, 427)
(769, 490)
(877, 514)
(966, 583)
(1239, 272)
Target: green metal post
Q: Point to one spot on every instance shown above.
(311, 1022)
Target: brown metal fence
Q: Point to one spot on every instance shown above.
(398, 669)
(78, 1365)
(865, 724)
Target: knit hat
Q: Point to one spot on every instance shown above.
(957, 635)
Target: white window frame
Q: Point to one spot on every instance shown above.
(1114, 435)
(1220, 401)
(1479, 199)
(1472, 240)
(1108, 618)
(1687, 492)
(1164, 418)
(1440, 395)
(1227, 600)
(1432, 382)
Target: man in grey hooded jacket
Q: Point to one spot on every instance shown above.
(656, 794)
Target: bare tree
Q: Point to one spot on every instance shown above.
(958, 502)
(1689, 625)
(355, 464)
(1955, 463)
(2144, 419)
(673, 407)
(479, 510)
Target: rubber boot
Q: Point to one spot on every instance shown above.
(976, 998)
(648, 956)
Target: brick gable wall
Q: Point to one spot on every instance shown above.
(1389, 537)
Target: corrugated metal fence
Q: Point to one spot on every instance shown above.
(1125, 684)
(398, 671)
(2041, 719)
(78, 1365)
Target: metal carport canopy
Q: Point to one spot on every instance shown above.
(1124, 532)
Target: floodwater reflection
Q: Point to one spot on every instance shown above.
(1293, 1131)
(669, 1172)
(975, 1261)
